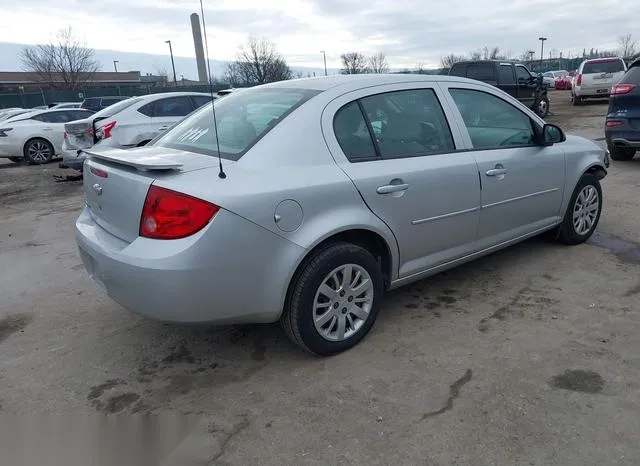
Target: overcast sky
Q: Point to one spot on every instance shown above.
(408, 31)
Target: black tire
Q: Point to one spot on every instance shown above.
(577, 100)
(38, 151)
(567, 233)
(622, 154)
(542, 107)
(15, 159)
(298, 316)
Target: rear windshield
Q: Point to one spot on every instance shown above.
(608, 66)
(243, 118)
(632, 76)
(117, 107)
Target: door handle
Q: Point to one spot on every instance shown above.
(392, 188)
(496, 172)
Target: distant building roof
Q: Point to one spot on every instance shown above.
(25, 77)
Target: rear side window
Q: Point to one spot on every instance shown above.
(200, 100)
(172, 107)
(505, 74)
(632, 76)
(603, 66)
(147, 109)
(482, 72)
(118, 107)
(353, 133)
(243, 118)
(408, 123)
(459, 69)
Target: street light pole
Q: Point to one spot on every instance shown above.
(175, 80)
(325, 61)
(115, 65)
(541, 39)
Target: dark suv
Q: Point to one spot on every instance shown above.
(513, 78)
(622, 125)
(98, 103)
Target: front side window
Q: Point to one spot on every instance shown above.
(408, 123)
(242, 118)
(492, 122)
(522, 73)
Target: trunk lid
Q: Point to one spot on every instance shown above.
(116, 182)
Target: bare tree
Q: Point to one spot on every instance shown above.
(65, 64)
(353, 63)
(257, 62)
(448, 60)
(627, 46)
(420, 68)
(378, 63)
(162, 73)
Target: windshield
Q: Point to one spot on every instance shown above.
(243, 118)
(603, 66)
(115, 108)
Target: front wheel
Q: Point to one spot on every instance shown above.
(334, 299)
(583, 213)
(542, 107)
(38, 151)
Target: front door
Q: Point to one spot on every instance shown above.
(527, 86)
(398, 149)
(522, 181)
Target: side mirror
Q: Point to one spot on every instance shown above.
(552, 134)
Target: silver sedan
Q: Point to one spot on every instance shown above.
(305, 200)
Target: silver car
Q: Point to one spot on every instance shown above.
(309, 198)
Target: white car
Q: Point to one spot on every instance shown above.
(61, 105)
(36, 136)
(548, 79)
(595, 77)
(12, 112)
(129, 123)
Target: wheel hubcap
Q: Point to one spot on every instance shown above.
(542, 107)
(343, 302)
(585, 210)
(39, 151)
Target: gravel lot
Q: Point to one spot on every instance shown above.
(527, 357)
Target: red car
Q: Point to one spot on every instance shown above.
(565, 82)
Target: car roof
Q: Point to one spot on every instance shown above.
(164, 95)
(358, 81)
(601, 60)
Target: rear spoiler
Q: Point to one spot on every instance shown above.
(139, 162)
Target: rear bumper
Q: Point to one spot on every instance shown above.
(623, 136)
(71, 159)
(233, 271)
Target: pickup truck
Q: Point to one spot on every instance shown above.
(513, 78)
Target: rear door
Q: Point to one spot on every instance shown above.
(53, 129)
(396, 145)
(522, 182)
(507, 79)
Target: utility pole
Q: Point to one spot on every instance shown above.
(541, 39)
(175, 80)
(325, 61)
(115, 65)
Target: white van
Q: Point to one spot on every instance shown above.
(595, 77)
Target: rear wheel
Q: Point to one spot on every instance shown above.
(622, 153)
(583, 213)
(38, 151)
(576, 100)
(333, 300)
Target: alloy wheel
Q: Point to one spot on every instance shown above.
(585, 210)
(39, 151)
(343, 302)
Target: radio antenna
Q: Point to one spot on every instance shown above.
(221, 173)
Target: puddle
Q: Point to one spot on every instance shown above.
(627, 251)
(579, 381)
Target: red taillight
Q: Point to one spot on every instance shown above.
(618, 89)
(64, 135)
(579, 80)
(168, 214)
(613, 123)
(99, 173)
(105, 131)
